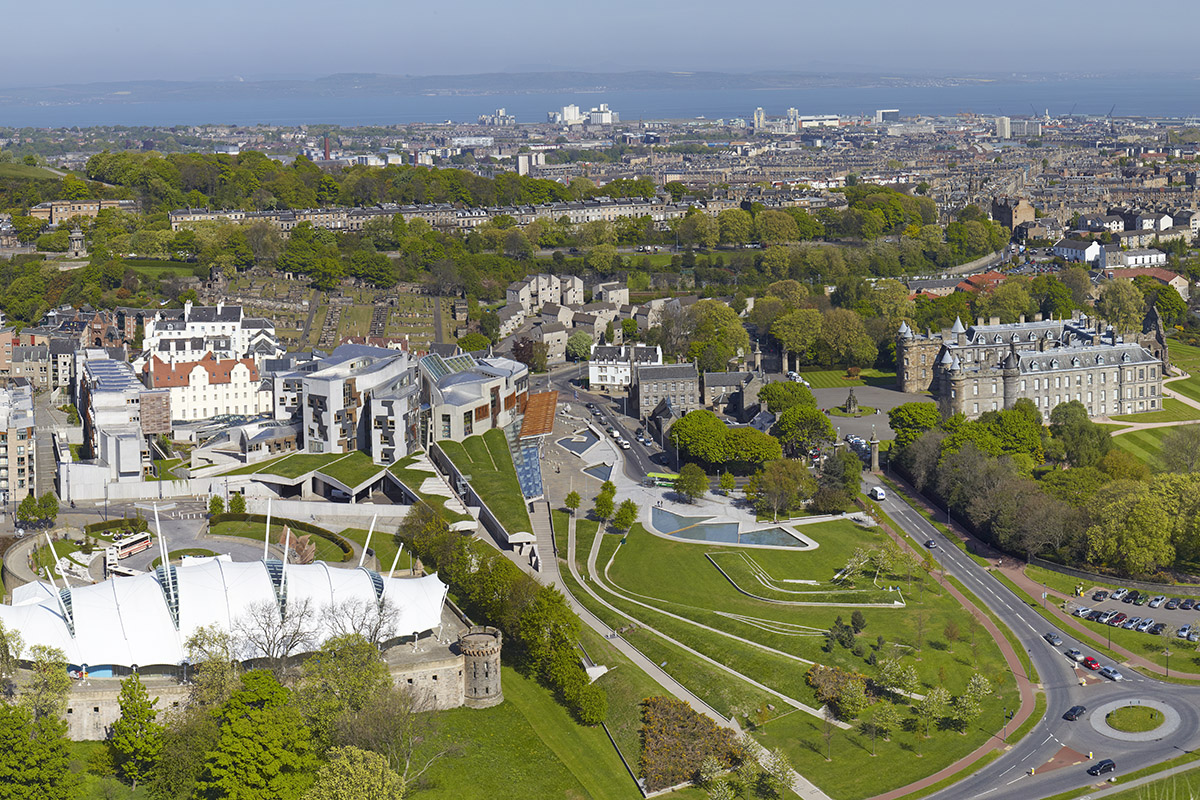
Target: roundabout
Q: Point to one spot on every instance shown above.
(1137, 720)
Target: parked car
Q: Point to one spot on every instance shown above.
(1129, 598)
(1100, 596)
(1106, 617)
(1157, 628)
(1183, 632)
(1053, 638)
(1173, 604)
(1141, 599)
(1074, 713)
(1082, 611)
(1074, 655)
(1117, 620)
(1102, 767)
(1194, 636)
(1157, 601)
(1131, 623)
(1111, 674)
(1187, 604)
(1091, 663)
(1119, 594)
(1095, 615)
(623, 443)
(1145, 624)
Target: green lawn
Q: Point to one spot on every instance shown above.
(523, 748)
(1144, 445)
(1172, 411)
(413, 478)
(837, 378)
(250, 469)
(164, 466)
(293, 465)
(487, 460)
(18, 170)
(1184, 356)
(353, 470)
(1188, 387)
(326, 550)
(383, 542)
(932, 633)
(1135, 719)
(77, 451)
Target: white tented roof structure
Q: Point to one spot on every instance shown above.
(144, 620)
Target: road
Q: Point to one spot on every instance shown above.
(1008, 776)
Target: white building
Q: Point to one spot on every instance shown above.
(1144, 257)
(611, 366)
(1003, 128)
(210, 387)
(466, 396)
(187, 334)
(18, 446)
(1085, 252)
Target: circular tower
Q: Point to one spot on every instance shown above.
(480, 648)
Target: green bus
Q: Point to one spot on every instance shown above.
(666, 479)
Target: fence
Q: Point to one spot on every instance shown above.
(1176, 588)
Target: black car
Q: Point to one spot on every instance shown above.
(1173, 603)
(1187, 604)
(1129, 598)
(1100, 596)
(1074, 713)
(591, 405)
(1157, 628)
(1103, 766)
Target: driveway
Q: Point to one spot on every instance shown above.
(880, 398)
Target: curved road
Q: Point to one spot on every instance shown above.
(1008, 778)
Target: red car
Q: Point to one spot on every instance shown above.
(1091, 663)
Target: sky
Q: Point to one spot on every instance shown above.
(263, 39)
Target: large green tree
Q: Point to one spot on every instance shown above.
(1121, 303)
(354, 774)
(717, 336)
(782, 395)
(798, 331)
(909, 420)
(700, 434)
(692, 482)
(844, 340)
(802, 428)
(1132, 532)
(35, 758)
(344, 675)
(136, 736)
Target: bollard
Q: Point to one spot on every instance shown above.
(1032, 770)
(1090, 756)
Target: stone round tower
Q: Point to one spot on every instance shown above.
(480, 648)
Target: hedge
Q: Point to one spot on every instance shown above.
(296, 525)
(124, 523)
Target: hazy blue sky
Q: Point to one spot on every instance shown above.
(84, 41)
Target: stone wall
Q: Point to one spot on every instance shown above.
(437, 685)
(92, 709)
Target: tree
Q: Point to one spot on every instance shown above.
(532, 354)
(394, 725)
(736, 226)
(1132, 530)
(775, 227)
(1121, 303)
(727, 483)
(967, 709)
(579, 346)
(626, 516)
(237, 503)
(781, 486)
(48, 507)
(783, 395)
(798, 331)
(34, 756)
(717, 337)
(29, 509)
(1181, 449)
(748, 448)
(932, 708)
(11, 646)
(136, 736)
(343, 676)
(262, 632)
(45, 695)
(210, 652)
(692, 482)
(572, 501)
(264, 749)
(700, 434)
(473, 342)
(884, 719)
(354, 774)
(909, 420)
(802, 428)
(603, 506)
(1084, 442)
(844, 340)
(215, 505)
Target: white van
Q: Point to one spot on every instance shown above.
(877, 493)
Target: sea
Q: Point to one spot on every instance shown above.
(1130, 96)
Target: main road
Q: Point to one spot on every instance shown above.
(1008, 777)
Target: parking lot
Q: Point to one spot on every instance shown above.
(1141, 608)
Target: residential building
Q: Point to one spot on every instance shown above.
(1077, 250)
(32, 363)
(18, 444)
(209, 387)
(1143, 257)
(465, 395)
(1012, 213)
(1162, 276)
(554, 335)
(225, 331)
(57, 211)
(610, 367)
(1003, 128)
(612, 292)
(677, 385)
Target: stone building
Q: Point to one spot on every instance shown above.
(988, 367)
(1011, 213)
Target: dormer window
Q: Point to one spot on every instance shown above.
(1054, 364)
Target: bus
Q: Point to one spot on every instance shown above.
(132, 544)
(666, 479)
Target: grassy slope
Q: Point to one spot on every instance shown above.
(354, 469)
(1172, 411)
(487, 460)
(1144, 445)
(326, 550)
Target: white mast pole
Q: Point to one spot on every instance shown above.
(267, 533)
(363, 555)
(395, 560)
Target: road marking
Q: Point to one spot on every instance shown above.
(1014, 780)
(1010, 769)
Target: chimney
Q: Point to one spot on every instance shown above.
(326, 147)
(1037, 317)
(1022, 318)
(994, 321)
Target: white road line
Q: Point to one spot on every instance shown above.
(1014, 780)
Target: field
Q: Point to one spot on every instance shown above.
(837, 378)
(383, 542)
(292, 465)
(1172, 411)
(159, 270)
(15, 170)
(772, 644)
(487, 460)
(1145, 445)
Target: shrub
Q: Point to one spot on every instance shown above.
(853, 372)
(676, 742)
(829, 501)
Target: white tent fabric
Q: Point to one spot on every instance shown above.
(126, 621)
